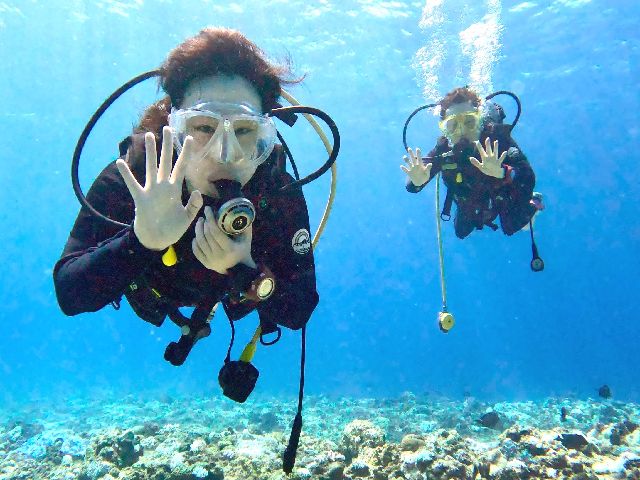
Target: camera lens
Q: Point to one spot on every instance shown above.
(240, 222)
(235, 216)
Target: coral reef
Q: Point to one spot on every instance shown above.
(406, 438)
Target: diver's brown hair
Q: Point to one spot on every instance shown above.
(458, 95)
(215, 51)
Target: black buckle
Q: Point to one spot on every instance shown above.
(278, 331)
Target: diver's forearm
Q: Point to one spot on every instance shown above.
(87, 281)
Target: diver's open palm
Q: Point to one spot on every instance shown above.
(491, 165)
(160, 218)
(216, 250)
(418, 172)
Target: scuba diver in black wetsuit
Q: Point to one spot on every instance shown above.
(486, 174)
(199, 209)
(497, 180)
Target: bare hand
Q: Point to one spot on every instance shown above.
(161, 219)
(491, 165)
(216, 250)
(418, 172)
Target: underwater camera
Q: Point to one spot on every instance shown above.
(238, 379)
(537, 265)
(235, 213)
(445, 321)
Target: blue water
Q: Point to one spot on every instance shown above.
(519, 335)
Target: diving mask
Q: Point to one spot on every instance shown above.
(456, 124)
(225, 132)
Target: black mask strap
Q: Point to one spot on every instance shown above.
(289, 456)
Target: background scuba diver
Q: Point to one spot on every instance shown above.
(219, 86)
(498, 183)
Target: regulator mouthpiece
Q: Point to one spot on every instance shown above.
(235, 213)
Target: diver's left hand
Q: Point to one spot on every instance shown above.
(491, 165)
(216, 250)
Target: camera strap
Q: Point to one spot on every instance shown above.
(289, 456)
(233, 337)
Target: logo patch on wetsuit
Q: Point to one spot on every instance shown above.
(301, 241)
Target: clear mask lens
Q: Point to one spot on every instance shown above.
(225, 132)
(453, 123)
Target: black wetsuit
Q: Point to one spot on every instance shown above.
(480, 198)
(102, 262)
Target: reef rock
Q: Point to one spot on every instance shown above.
(411, 443)
(358, 434)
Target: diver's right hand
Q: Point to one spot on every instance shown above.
(160, 218)
(418, 172)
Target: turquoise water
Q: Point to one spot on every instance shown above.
(519, 335)
(524, 345)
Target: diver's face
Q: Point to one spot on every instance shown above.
(203, 170)
(461, 122)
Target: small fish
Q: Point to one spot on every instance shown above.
(489, 420)
(563, 414)
(577, 441)
(604, 391)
